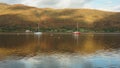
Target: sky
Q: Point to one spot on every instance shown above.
(106, 5)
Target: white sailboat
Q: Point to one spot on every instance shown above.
(38, 33)
(77, 32)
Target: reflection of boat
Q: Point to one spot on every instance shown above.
(76, 36)
(77, 32)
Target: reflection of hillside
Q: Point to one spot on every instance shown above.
(15, 41)
(61, 43)
(86, 43)
(90, 45)
(57, 43)
(109, 41)
(16, 45)
(30, 45)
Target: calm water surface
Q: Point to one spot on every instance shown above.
(59, 51)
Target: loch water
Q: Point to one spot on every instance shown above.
(59, 50)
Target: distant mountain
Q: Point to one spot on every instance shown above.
(19, 17)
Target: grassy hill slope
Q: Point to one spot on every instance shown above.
(20, 17)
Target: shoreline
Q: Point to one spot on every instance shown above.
(60, 32)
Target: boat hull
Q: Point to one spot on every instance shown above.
(76, 32)
(38, 33)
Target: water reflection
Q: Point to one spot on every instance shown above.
(56, 43)
(59, 51)
(64, 61)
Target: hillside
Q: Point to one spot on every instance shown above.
(20, 17)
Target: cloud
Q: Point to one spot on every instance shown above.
(93, 4)
(109, 2)
(117, 8)
(11, 1)
(50, 3)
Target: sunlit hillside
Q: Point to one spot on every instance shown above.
(20, 18)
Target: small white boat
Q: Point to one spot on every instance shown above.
(38, 33)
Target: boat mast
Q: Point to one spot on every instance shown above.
(37, 15)
(38, 27)
(77, 26)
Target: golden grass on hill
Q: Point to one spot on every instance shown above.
(21, 15)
